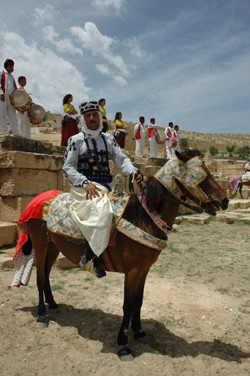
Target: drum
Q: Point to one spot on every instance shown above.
(36, 114)
(20, 100)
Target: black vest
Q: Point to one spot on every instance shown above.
(94, 164)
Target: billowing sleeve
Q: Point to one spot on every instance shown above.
(70, 164)
(120, 159)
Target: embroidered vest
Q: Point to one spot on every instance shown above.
(94, 164)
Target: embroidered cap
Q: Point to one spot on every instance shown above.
(89, 106)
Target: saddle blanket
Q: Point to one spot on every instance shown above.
(61, 219)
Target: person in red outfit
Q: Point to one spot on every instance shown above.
(70, 120)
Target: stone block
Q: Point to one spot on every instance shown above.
(244, 204)
(12, 207)
(25, 145)
(17, 159)
(55, 163)
(26, 182)
(62, 182)
(233, 205)
(8, 233)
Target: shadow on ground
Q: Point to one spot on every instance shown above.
(101, 326)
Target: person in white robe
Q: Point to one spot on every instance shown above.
(86, 165)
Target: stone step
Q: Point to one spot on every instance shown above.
(238, 203)
(8, 233)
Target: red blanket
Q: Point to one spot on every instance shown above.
(33, 210)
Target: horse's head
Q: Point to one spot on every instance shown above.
(188, 176)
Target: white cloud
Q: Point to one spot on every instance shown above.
(62, 45)
(103, 69)
(102, 5)
(43, 15)
(100, 45)
(134, 47)
(49, 76)
(119, 80)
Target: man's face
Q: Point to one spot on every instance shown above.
(92, 120)
(23, 82)
(10, 68)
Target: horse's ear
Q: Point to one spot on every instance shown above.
(181, 157)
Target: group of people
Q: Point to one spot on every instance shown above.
(172, 138)
(13, 118)
(70, 127)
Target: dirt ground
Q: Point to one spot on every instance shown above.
(196, 313)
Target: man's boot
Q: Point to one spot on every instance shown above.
(91, 263)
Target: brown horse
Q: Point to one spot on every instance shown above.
(187, 177)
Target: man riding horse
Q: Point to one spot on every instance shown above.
(86, 165)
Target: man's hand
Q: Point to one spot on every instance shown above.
(92, 191)
(2, 97)
(138, 178)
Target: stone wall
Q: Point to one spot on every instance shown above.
(27, 168)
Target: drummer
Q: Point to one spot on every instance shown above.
(7, 110)
(22, 116)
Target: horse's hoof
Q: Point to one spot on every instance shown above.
(125, 354)
(42, 323)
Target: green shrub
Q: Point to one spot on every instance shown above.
(230, 150)
(184, 143)
(244, 152)
(213, 150)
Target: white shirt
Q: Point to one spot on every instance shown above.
(77, 146)
(142, 130)
(9, 84)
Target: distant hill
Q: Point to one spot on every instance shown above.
(223, 143)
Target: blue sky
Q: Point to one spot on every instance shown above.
(186, 61)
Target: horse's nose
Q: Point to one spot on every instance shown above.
(224, 204)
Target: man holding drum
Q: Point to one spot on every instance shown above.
(7, 110)
(22, 113)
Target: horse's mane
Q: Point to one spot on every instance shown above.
(154, 193)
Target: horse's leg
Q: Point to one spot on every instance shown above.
(131, 284)
(136, 319)
(240, 190)
(51, 256)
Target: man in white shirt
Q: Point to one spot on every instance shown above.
(153, 146)
(169, 134)
(139, 135)
(86, 165)
(7, 110)
(22, 116)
